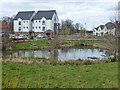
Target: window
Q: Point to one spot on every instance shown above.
(43, 29)
(54, 19)
(27, 27)
(24, 21)
(36, 27)
(39, 27)
(43, 23)
(33, 27)
(39, 21)
(24, 27)
(27, 21)
(19, 28)
(36, 21)
(19, 22)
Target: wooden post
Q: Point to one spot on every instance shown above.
(55, 34)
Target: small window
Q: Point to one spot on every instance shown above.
(24, 21)
(33, 27)
(39, 21)
(24, 27)
(27, 27)
(19, 28)
(36, 27)
(43, 29)
(39, 27)
(19, 22)
(27, 21)
(54, 19)
(36, 21)
(43, 23)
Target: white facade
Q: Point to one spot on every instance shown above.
(36, 26)
(101, 32)
(43, 24)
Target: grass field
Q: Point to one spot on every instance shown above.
(43, 43)
(16, 75)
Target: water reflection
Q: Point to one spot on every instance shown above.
(64, 54)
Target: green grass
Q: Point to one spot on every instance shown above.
(28, 45)
(46, 76)
(43, 43)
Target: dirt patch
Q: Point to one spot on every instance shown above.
(104, 45)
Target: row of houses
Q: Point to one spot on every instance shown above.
(106, 29)
(32, 23)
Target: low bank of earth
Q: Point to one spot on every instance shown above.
(40, 44)
(16, 75)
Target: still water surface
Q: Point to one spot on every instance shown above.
(65, 54)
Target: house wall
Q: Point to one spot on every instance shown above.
(104, 31)
(35, 25)
(25, 25)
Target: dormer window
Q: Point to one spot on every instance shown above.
(43, 23)
(19, 23)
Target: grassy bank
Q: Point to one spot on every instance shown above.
(16, 75)
(48, 43)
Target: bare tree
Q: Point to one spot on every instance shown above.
(77, 26)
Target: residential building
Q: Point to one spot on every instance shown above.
(23, 22)
(102, 30)
(31, 23)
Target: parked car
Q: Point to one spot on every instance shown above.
(39, 36)
(11, 35)
(22, 37)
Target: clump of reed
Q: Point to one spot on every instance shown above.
(43, 61)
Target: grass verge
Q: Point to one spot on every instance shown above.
(16, 75)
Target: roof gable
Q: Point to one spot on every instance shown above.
(24, 15)
(47, 14)
(110, 25)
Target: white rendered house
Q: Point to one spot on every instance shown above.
(22, 22)
(102, 30)
(42, 22)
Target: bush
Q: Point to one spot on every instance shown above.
(113, 59)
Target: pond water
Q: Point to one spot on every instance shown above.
(64, 54)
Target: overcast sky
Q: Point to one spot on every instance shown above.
(91, 12)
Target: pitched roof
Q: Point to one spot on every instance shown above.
(96, 28)
(110, 25)
(24, 15)
(47, 14)
(102, 26)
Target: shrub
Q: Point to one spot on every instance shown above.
(113, 59)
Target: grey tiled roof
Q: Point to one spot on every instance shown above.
(110, 25)
(24, 15)
(102, 26)
(47, 14)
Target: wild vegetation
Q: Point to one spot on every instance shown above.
(16, 75)
(39, 44)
